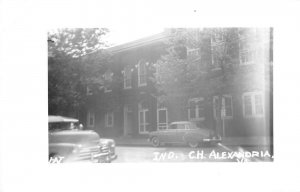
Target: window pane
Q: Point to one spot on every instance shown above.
(258, 105)
(141, 117)
(248, 105)
(174, 126)
(228, 109)
(146, 117)
(162, 116)
(200, 112)
(200, 108)
(192, 109)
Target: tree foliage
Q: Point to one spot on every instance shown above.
(75, 59)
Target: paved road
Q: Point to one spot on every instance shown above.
(217, 153)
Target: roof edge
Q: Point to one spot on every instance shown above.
(138, 43)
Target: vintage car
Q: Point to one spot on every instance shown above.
(68, 143)
(183, 132)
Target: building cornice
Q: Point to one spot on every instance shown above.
(138, 43)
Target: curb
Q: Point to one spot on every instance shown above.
(132, 145)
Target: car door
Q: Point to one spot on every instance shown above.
(181, 131)
(192, 133)
(170, 134)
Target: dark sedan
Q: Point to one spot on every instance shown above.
(183, 132)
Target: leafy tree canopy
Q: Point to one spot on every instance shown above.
(75, 60)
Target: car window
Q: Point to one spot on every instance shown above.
(192, 126)
(59, 126)
(187, 126)
(180, 126)
(173, 126)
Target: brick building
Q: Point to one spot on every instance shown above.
(129, 104)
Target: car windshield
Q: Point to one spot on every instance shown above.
(59, 126)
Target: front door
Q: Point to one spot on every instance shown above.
(143, 121)
(162, 119)
(128, 121)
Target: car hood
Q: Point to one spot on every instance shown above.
(107, 141)
(74, 137)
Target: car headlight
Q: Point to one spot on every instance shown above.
(113, 144)
(76, 149)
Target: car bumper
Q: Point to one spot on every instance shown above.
(213, 139)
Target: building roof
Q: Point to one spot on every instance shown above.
(139, 43)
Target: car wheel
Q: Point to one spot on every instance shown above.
(155, 142)
(193, 144)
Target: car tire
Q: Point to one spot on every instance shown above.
(193, 144)
(155, 142)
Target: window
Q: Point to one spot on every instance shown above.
(143, 119)
(127, 77)
(173, 126)
(180, 126)
(108, 80)
(253, 104)
(214, 59)
(215, 106)
(109, 119)
(227, 102)
(196, 109)
(247, 52)
(91, 119)
(162, 118)
(193, 52)
(218, 35)
(142, 74)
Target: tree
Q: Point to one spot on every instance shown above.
(210, 72)
(75, 59)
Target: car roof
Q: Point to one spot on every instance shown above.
(61, 119)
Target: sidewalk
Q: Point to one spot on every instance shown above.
(227, 141)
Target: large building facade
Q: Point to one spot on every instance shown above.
(238, 105)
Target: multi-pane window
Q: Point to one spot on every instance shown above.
(215, 106)
(226, 107)
(162, 116)
(193, 52)
(196, 109)
(127, 78)
(109, 119)
(143, 120)
(247, 52)
(227, 102)
(215, 61)
(91, 119)
(253, 104)
(142, 74)
(108, 80)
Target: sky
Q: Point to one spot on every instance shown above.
(118, 36)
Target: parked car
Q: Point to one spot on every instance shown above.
(183, 132)
(68, 143)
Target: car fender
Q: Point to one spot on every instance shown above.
(62, 149)
(193, 136)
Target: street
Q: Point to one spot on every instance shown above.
(219, 153)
